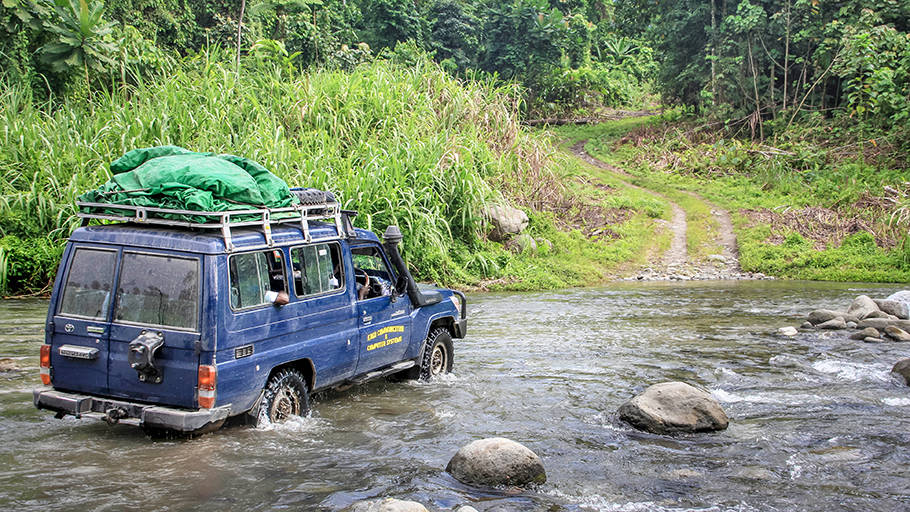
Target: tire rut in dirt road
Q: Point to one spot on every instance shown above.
(675, 263)
(677, 254)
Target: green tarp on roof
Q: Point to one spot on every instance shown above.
(176, 178)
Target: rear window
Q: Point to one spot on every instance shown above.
(87, 292)
(158, 290)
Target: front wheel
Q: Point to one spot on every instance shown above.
(285, 396)
(438, 355)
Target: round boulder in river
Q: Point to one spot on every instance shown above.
(387, 505)
(496, 461)
(671, 407)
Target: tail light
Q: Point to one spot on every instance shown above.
(208, 380)
(44, 365)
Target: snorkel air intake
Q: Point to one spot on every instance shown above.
(391, 238)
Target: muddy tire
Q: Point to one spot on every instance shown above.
(285, 396)
(438, 356)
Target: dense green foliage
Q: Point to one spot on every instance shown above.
(565, 54)
(404, 145)
(757, 60)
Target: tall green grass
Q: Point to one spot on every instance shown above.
(410, 146)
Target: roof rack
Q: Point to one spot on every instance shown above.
(299, 215)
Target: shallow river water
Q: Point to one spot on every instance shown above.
(816, 421)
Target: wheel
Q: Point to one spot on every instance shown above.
(438, 355)
(285, 396)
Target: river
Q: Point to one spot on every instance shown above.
(817, 423)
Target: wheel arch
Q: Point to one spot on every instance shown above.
(304, 366)
(445, 322)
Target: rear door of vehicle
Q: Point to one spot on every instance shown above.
(81, 326)
(157, 293)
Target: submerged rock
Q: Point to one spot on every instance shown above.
(862, 306)
(387, 505)
(902, 369)
(787, 331)
(820, 316)
(837, 323)
(897, 308)
(671, 407)
(878, 314)
(505, 221)
(896, 333)
(806, 325)
(496, 461)
(876, 323)
(7, 365)
(868, 332)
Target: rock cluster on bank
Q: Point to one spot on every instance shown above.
(687, 273)
(876, 320)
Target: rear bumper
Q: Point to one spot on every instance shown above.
(151, 416)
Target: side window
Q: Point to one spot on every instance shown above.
(158, 290)
(87, 292)
(374, 277)
(253, 275)
(317, 269)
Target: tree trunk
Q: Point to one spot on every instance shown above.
(761, 132)
(786, 56)
(239, 30)
(713, 52)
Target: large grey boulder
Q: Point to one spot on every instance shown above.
(902, 369)
(902, 296)
(837, 323)
(387, 505)
(862, 306)
(496, 461)
(820, 316)
(671, 407)
(897, 308)
(896, 333)
(506, 221)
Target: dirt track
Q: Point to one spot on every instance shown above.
(675, 263)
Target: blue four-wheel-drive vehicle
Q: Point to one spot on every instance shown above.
(174, 325)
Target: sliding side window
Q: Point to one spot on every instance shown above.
(317, 269)
(253, 275)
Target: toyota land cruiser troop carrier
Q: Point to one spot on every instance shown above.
(178, 326)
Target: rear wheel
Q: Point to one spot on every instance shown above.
(285, 396)
(438, 355)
